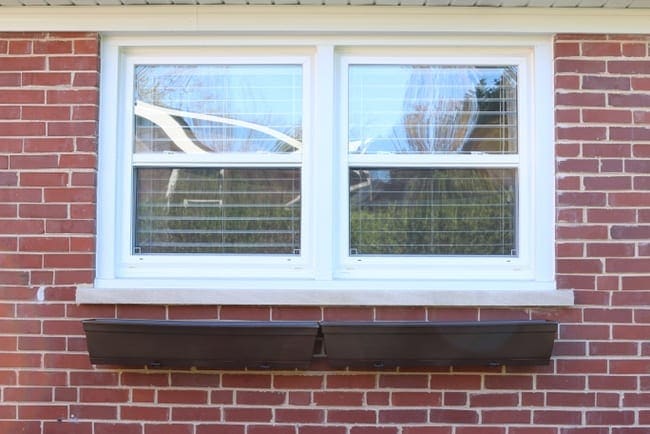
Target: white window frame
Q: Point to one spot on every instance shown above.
(325, 274)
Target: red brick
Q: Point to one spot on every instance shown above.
(10, 79)
(629, 133)
(567, 150)
(322, 429)
(86, 79)
(42, 412)
(300, 382)
(627, 265)
(567, 49)
(73, 63)
(424, 430)
(19, 128)
(10, 112)
(356, 381)
(72, 96)
(618, 417)
(451, 416)
(570, 215)
(138, 412)
(271, 429)
(64, 427)
(636, 283)
(373, 430)
(480, 430)
(352, 416)
(73, 128)
(577, 165)
(223, 428)
(611, 165)
(580, 66)
(48, 144)
(601, 49)
(532, 430)
(27, 394)
(103, 395)
(256, 381)
(347, 314)
(402, 416)
(416, 399)
(561, 382)
(629, 199)
(48, 211)
(397, 313)
(46, 78)
(455, 382)
(629, 367)
(610, 250)
(52, 47)
(250, 414)
(168, 428)
(46, 113)
(628, 67)
(117, 428)
(43, 179)
(404, 381)
(244, 397)
(20, 427)
(247, 313)
(630, 232)
(506, 417)
(567, 116)
(86, 46)
(33, 161)
(338, 399)
(299, 416)
(22, 63)
(196, 414)
(638, 166)
(579, 266)
(557, 417)
(494, 400)
(605, 83)
(616, 215)
(586, 133)
(581, 366)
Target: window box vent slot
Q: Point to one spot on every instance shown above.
(201, 344)
(419, 344)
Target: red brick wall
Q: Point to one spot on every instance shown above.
(599, 378)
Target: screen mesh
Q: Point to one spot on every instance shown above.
(217, 210)
(432, 211)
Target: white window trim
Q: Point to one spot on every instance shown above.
(533, 287)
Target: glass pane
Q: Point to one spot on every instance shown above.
(416, 109)
(217, 210)
(433, 211)
(218, 108)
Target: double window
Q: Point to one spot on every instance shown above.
(323, 165)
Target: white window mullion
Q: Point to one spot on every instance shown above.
(321, 164)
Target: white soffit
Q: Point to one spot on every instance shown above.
(398, 17)
(609, 4)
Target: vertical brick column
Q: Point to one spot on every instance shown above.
(48, 124)
(603, 220)
(603, 167)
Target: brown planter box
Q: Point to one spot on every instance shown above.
(201, 344)
(411, 344)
